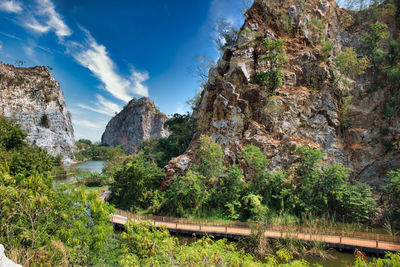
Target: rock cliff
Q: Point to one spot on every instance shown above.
(33, 99)
(139, 120)
(4, 261)
(342, 116)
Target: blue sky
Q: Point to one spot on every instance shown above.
(103, 53)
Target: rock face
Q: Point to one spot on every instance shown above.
(309, 108)
(139, 120)
(33, 98)
(4, 261)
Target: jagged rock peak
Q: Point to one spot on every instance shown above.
(33, 99)
(139, 120)
(309, 108)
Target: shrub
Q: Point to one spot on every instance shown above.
(327, 47)
(349, 65)
(136, 184)
(44, 121)
(276, 58)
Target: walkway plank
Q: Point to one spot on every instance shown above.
(198, 227)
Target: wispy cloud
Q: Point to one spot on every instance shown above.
(34, 25)
(89, 124)
(1, 45)
(95, 57)
(11, 36)
(102, 106)
(45, 18)
(11, 6)
(29, 51)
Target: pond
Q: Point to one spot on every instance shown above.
(91, 165)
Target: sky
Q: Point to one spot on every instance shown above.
(104, 53)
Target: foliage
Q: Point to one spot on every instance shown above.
(136, 184)
(328, 191)
(11, 136)
(162, 150)
(349, 64)
(187, 195)
(344, 119)
(44, 121)
(144, 245)
(42, 226)
(211, 158)
(327, 47)
(96, 151)
(276, 58)
(390, 107)
(392, 196)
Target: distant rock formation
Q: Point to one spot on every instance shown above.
(139, 120)
(33, 99)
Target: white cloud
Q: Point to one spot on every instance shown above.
(33, 24)
(1, 45)
(95, 57)
(102, 106)
(45, 18)
(89, 124)
(11, 6)
(29, 51)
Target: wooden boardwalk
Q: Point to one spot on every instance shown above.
(366, 242)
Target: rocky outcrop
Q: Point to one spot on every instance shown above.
(309, 108)
(33, 99)
(4, 261)
(139, 120)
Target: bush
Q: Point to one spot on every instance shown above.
(276, 58)
(44, 121)
(349, 64)
(327, 47)
(137, 183)
(11, 136)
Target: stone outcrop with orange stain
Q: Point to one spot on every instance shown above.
(305, 111)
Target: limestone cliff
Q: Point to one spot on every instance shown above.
(33, 99)
(138, 121)
(312, 105)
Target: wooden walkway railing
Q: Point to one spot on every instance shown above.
(382, 241)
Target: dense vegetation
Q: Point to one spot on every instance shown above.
(40, 225)
(181, 128)
(208, 189)
(43, 226)
(89, 151)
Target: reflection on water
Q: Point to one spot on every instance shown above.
(335, 259)
(91, 165)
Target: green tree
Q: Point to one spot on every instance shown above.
(231, 191)
(211, 159)
(255, 172)
(392, 196)
(11, 136)
(276, 58)
(162, 150)
(349, 64)
(136, 184)
(187, 195)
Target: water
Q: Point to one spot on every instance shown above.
(91, 165)
(335, 259)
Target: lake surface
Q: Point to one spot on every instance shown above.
(91, 166)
